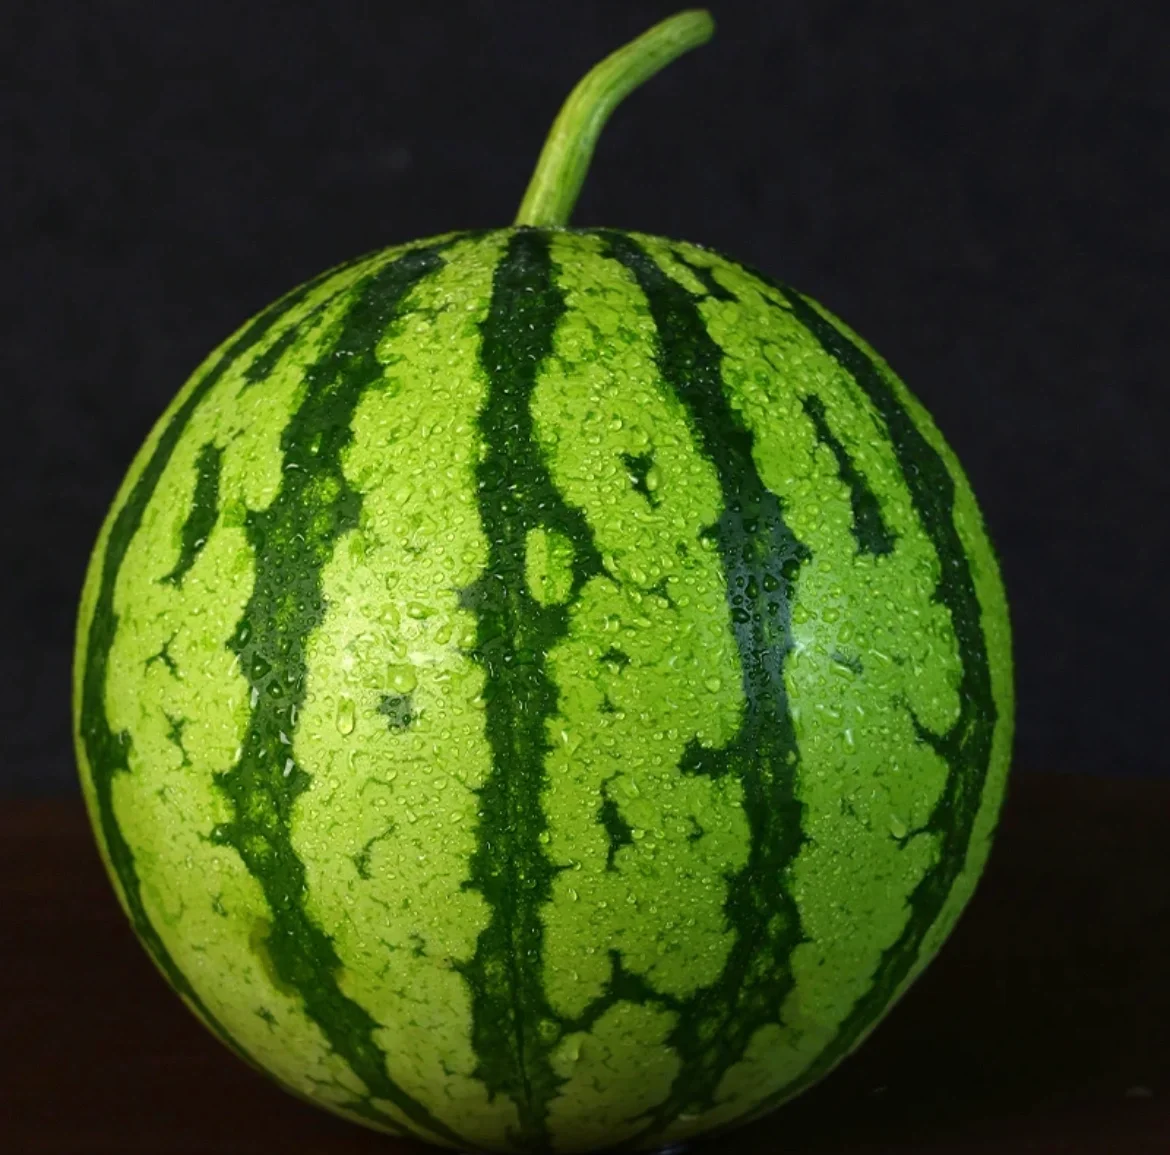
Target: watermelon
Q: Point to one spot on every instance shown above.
(544, 689)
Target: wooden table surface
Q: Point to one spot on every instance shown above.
(1043, 1026)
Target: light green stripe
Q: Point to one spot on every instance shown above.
(401, 800)
(648, 666)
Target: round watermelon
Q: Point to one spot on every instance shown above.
(544, 689)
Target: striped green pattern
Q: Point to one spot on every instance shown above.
(543, 689)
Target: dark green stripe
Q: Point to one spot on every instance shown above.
(204, 512)
(761, 560)
(514, 1028)
(265, 364)
(966, 746)
(705, 276)
(870, 530)
(293, 539)
(106, 752)
(619, 832)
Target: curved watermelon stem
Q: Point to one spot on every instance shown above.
(564, 160)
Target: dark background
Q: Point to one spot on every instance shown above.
(980, 189)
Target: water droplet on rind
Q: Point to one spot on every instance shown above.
(402, 678)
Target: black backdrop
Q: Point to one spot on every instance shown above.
(979, 189)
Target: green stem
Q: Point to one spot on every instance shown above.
(565, 158)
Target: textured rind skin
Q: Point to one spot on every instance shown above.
(542, 690)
